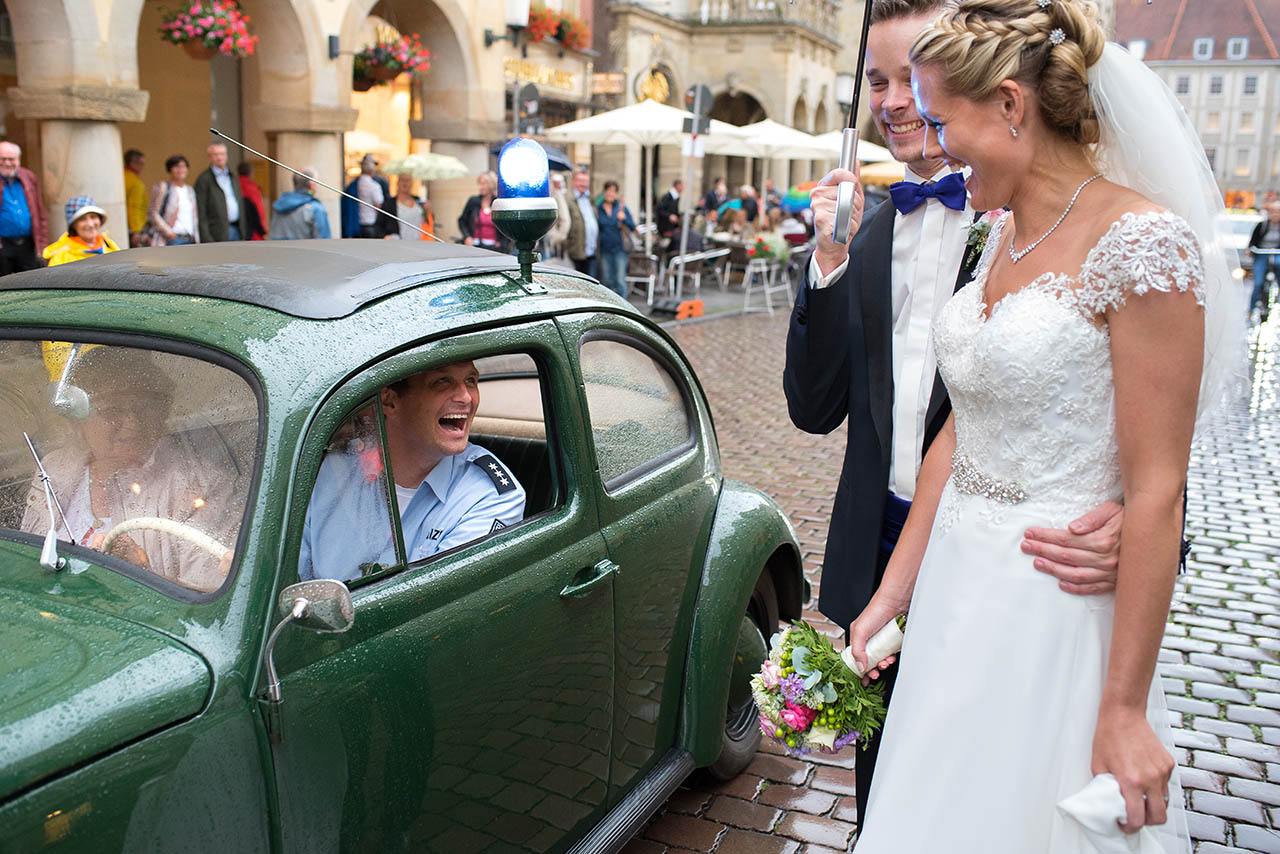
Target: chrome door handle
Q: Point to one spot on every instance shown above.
(584, 581)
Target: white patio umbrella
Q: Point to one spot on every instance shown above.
(428, 166)
(645, 123)
(770, 140)
(868, 152)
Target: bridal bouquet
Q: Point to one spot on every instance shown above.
(808, 696)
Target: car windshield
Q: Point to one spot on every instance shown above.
(149, 455)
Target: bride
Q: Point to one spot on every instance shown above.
(1077, 362)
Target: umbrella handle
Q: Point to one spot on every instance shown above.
(845, 192)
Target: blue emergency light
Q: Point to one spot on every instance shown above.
(524, 210)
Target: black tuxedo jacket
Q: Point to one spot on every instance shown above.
(840, 365)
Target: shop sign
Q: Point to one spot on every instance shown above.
(543, 75)
(608, 83)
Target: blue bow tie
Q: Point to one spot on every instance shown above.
(908, 196)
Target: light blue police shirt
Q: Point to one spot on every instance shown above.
(465, 497)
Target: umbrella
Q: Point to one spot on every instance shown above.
(556, 159)
(868, 152)
(428, 167)
(797, 198)
(883, 173)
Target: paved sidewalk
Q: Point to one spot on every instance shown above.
(1221, 656)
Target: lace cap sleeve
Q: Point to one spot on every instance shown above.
(1140, 253)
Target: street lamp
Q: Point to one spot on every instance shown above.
(517, 19)
(845, 85)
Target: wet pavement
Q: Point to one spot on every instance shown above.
(1220, 662)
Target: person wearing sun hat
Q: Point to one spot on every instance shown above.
(85, 237)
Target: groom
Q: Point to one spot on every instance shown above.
(860, 347)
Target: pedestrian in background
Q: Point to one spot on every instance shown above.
(255, 211)
(559, 232)
(371, 188)
(716, 196)
(584, 226)
(614, 220)
(172, 217)
(476, 222)
(219, 203)
(24, 225)
(299, 215)
(135, 196)
(415, 212)
(1266, 235)
(84, 237)
(668, 213)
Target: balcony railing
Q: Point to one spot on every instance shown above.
(822, 16)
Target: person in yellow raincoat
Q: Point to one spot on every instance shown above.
(84, 238)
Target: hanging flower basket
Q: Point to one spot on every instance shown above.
(389, 57)
(199, 50)
(542, 23)
(573, 33)
(206, 28)
(363, 84)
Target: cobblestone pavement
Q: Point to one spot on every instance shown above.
(1221, 655)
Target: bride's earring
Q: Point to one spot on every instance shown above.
(1013, 130)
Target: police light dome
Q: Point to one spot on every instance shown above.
(523, 171)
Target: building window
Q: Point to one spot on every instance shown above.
(1202, 48)
(1182, 84)
(1243, 168)
(1246, 122)
(1211, 154)
(1251, 84)
(1212, 121)
(1138, 47)
(1215, 84)
(1237, 48)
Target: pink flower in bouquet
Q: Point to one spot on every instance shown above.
(767, 726)
(770, 675)
(798, 717)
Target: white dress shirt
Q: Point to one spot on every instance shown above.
(224, 179)
(928, 246)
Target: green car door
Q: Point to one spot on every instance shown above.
(656, 480)
(470, 706)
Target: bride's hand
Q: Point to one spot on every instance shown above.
(873, 618)
(1126, 747)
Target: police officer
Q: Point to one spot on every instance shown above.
(448, 490)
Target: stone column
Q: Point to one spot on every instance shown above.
(308, 135)
(80, 144)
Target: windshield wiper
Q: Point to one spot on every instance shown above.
(49, 553)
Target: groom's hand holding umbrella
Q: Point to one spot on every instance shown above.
(822, 201)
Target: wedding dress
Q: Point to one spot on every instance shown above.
(995, 706)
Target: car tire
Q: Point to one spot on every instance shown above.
(741, 735)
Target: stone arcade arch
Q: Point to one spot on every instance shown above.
(737, 107)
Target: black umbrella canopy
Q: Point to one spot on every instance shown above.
(556, 159)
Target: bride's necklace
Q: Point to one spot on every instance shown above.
(1015, 257)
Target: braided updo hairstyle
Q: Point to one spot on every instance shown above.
(981, 43)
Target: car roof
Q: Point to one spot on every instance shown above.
(315, 279)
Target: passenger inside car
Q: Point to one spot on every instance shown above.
(122, 465)
(448, 490)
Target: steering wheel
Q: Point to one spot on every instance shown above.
(166, 526)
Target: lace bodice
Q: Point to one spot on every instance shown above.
(1032, 385)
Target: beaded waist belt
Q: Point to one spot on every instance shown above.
(970, 480)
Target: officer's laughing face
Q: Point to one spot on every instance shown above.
(436, 410)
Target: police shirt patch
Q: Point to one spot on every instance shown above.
(502, 481)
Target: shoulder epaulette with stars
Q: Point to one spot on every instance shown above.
(502, 481)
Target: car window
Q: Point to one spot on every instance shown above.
(438, 459)
(150, 455)
(638, 412)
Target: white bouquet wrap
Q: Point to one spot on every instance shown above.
(881, 645)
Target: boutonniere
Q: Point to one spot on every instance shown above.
(976, 241)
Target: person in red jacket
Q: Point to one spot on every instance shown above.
(24, 225)
(254, 217)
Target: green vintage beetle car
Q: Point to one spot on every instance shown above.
(171, 680)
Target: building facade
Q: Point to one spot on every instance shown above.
(1221, 61)
(760, 59)
(86, 80)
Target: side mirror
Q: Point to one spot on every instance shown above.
(323, 605)
(328, 608)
